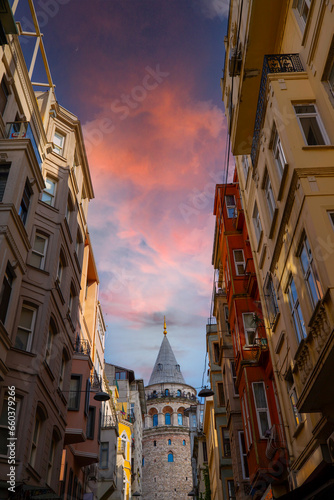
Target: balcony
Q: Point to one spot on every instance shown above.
(108, 422)
(314, 362)
(274, 63)
(171, 395)
(22, 130)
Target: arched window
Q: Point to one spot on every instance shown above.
(154, 443)
(179, 393)
(180, 418)
(170, 457)
(155, 420)
(167, 418)
(184, 442)
(166, 392)
(169, 441)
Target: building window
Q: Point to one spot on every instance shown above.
(167, 418)
(143, 462)
(104, 455)
(328, 76)
(221, 395)
(231, 489)
(278, 152)
(51, 336)
(74, 394)
(230, 206)
(52, 452)
(180, 419)
(216, 352)
(154, 443)
(293, 397)
(35, 437)
(159, 366)
(271, 300)
(239, 262)
(58, 143)
(155, 420)
(25, 329)
(249, 328)
(310, 273)
(4, 94)
(62, 372)
(268, 190)
(90, 422)
(302, 9)
(205, 452)
(245, 164)
(38, 253)
(310, 124)
(331, 218)
(226, 442)
(257, 223)
(60, 268)
(6, 291)
(25, 202)
(179, 394)
(261, 405)
(247, 422)
(243, 453)
(234, 378)
(49, 192)
(4, 172)
(296, 311)
(170, 457)
(166, 392)
(226, 316)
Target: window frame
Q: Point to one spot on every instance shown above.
(299, 12)
(30, 330)
(261, 410)
(310, 272)
(25, 202)
(90, 427)
(257, 222)
(42, 255)
(230, 207)
(155, 420)
(247, 422)
(55, 147)
(104, 448)
(239, 263)
(243, 454)
(170, 455)
(234, 379)
(226, 441)
(76, 406)
(4, 174)
(269, 194)
(248, 329)
(278, 152)
(168, 417)
(6, 291)
(315, 114)
(51, 201)
(296, 312)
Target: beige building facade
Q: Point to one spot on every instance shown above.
(278, 94)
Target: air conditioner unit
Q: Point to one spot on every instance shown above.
(234, 65)
(330, 444)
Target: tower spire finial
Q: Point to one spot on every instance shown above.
(165, 329)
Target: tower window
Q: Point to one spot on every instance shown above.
(170, 457)
(169, 441)
(154, 443)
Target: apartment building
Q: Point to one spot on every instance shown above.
(278, 95)
(50, 340)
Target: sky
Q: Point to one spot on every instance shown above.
(143, 77)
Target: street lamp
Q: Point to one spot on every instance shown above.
(136, 494)
(205, 392)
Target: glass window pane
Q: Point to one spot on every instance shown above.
(260, 397)
(39, 244)
(264, 422)
(26, 318)
(312, 131)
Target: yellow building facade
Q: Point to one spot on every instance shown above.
(278, 91)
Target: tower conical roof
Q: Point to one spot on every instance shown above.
(166, 368)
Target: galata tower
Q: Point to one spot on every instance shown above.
(167, 471)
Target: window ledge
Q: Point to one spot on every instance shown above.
(316, 148)
(298, 429)
(273, 223)
(49, 206)
(48, 369)
(38, 269)
(61, 157)
(22, 351)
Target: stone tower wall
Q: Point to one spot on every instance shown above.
(165, 480)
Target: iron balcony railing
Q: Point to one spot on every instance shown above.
(273, 63)
(108, 421)
(22, 130)
(82, 346)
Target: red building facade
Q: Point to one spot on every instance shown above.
(264, 457)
